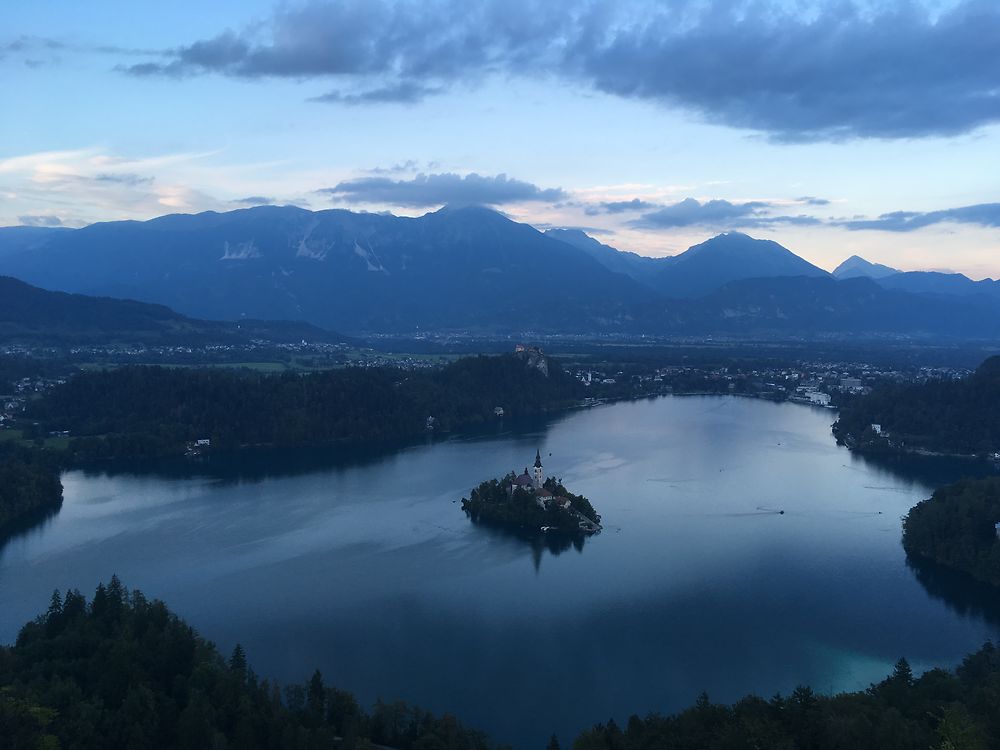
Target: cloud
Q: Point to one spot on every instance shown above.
(691, 212)
(40, 221)
(123, 178)
(255, 200)
(982, 214)
(802, 71)
(410, 165)
(811, 201)
(617, 207)
(720, 214)
(439, 189)
(404, 92)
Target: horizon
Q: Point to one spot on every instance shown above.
(633, 134)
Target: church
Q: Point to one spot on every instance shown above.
(533, 481)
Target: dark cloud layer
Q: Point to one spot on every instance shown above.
(439, 189)
(829, 71)
(691, 212)
(719, 214)
(983, 214)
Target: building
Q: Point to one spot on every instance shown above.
(534, 483)
(818, 397)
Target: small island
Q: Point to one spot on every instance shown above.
(532, 506)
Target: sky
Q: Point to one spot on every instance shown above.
(835, 128)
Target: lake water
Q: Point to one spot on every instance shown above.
(369, 570)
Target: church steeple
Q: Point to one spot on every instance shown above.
(538, 460)
(539, 477)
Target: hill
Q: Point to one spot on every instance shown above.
(823, 306)
(938, 283)
(945, 416)
(639, 267)
(956, 527)
(136, 412)
(30, 314)
(857, 266)
(729, 257)
(123, 671)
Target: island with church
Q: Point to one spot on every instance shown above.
(531, 505)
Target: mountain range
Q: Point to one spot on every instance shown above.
(472, 269)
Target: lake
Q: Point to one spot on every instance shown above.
(366, 567)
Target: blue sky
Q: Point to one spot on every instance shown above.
(834, 128)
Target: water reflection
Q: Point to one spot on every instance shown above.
(33, 522)
(552, 542)
(960, 592)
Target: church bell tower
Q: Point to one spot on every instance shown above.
(539, 474)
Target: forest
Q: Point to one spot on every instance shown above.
(29, 485)
(955, 527)
(940, 710)
(135, 412)
(945, 416)
(122, 671)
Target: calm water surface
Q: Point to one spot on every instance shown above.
(371, 572)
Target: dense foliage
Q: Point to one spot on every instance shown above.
(29, 485)
(490, 503)
(124, 672)
(939, 710)
(149, 411)
(956, 528)
(947, 416)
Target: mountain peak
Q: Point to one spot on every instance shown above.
(727, 257)
(857, 266)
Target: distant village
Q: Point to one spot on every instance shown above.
(816, 383)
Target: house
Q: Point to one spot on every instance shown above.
(877, 429)
(498, 411)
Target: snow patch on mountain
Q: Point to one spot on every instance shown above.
(240, 251)
(369, 257)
